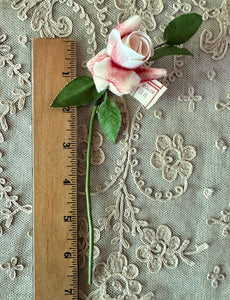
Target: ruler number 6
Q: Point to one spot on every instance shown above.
(67, 255)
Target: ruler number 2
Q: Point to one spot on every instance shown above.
(69, 292)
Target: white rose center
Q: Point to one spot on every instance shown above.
(138, 42)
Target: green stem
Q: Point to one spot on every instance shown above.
(159, 46)
(87, 192)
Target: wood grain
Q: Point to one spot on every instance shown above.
(52, 270)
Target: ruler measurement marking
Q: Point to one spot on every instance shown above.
(45, 289)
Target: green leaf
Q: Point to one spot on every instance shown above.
(182, 28)
(109, 117)
(169, 50)
(79, 91)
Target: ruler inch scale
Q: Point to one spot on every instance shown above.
(54, 173)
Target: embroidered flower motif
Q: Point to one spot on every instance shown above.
(12, 267)
(223, 220)
(163, 159)
(211, 74)
(23, 39)
(221, 105)
(158, 113)
(221, 145)
(147, 10)
(162, 248)
(121, 276)
(83, 241)
(208, 192)
(159, 248)
(191, 97)
(215, 277)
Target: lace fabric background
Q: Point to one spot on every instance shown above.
(161, 194)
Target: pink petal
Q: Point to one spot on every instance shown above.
(131, 24)
(120, 80)
(121, 54)
(147, 74)
(99, 57)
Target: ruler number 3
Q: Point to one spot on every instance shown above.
(66, 145)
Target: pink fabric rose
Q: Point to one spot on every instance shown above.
(119, 66)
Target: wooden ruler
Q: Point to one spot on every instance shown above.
(55, 173)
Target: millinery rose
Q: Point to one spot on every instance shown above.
(119, 67)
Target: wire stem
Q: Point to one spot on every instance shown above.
(87, 192)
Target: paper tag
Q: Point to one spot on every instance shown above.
(149, 92)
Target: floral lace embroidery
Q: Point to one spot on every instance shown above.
(161, 248)
(147, 10)
(176, 73)
(158, 114)
(215, 277)
(101, 15)
(149, 191)
(221, 145)
(208, 192)
(23, 39)
(122, 277)
(179, 6)
(191, 98)
(89, 25)
(13, 69)
(122, 217)
(9, 106)
(218, 45)
(83, 241)
(97, 155)
(12, 267)
(162, 160)
(223, 220)
(8, 213)
(221, 105)
(42, 19)
(211, 75)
